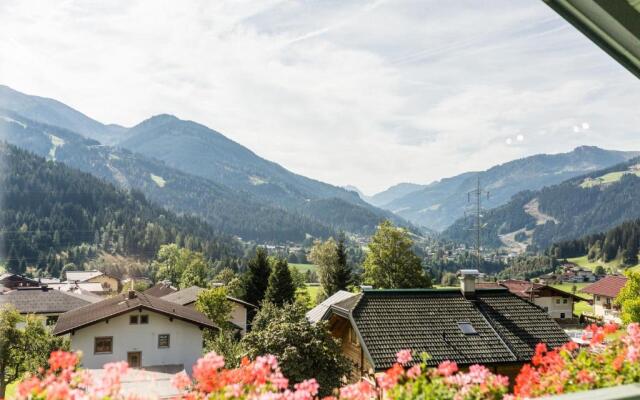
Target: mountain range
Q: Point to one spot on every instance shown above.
(535, 219)
(191, 169)
(439, 204)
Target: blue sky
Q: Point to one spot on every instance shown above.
(368, 93)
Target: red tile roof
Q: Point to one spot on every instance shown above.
(609, 286)
(524, 289)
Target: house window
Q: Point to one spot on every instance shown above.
(562, 315)
(564, 301)
(133, 320)
(51, 320)
(546, 309)
(103, 345)
(163, 341)
(144, 319)
(557, 301)
(597, 298)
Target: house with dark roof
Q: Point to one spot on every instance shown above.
(470, 325)
(557, 303)
(44, 302)
(9, 281)
(145, 331)
(240, 309)
(161, 289)
(604, 293)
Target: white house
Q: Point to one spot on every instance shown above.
(145, 331)
(239, 308)
(108, 283)
(557, 303)
(604, 294)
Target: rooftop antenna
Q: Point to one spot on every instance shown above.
(475, 196)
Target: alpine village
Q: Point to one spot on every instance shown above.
(167, 261)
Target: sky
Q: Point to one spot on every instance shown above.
(366, 93)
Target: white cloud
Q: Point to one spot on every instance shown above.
(349, 92)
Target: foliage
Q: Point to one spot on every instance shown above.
(281, 289)
(449, 279)
(23, 349)
(257, 277)
(227, 345)
(181, 266)
(215, 305)
(334, 272)
(620, 242)
(603, 363)
(629, 298)
(443, 383)
(53, 215)
(391, 263)
(304, 350)
(225, 276)
(527, 267)
(569, 369)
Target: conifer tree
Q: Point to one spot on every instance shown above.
(281, 289)
(257, 277)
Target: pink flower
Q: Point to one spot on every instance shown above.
(447, 368)
(404, 357)
(414, 371)
(181, 380)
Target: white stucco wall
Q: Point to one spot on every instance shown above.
(607, 314)
(185, 343)
(555, 310)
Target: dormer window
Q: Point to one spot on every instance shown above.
(467, 328)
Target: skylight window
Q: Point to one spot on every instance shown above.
(467, 328)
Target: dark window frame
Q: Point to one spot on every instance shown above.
(168, 337)
(144, 319)
(51, 320)
(133, 320)
(95, 344)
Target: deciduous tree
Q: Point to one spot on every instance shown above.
(391, 262)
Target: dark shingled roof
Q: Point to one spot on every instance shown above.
(508, 327)
(160, 289)
(124, 303)
(44, 300)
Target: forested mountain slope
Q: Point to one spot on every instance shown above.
(620, 243)
(439, 204)
(577, 207)
(201, 151)
(261, 200)
(227, 210)
(49, 208)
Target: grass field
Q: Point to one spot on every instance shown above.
(304, 267)
(606, 179)
(585, 263)
(566, 287)
(582, 307)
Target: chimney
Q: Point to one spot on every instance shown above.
(131, 295)
(468, 282)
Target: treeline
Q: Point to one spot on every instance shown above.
(527, 267)
(48, 208)
(621, 242)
